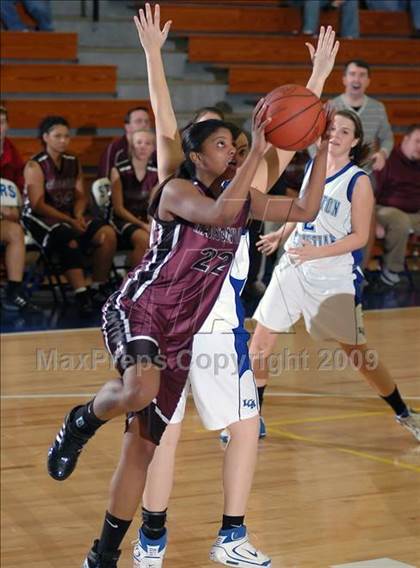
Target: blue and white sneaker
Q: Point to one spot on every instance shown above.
(411, 423)
(225, 434)
(232, 548)
(149, 553)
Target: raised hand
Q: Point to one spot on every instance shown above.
(148, 28)
(259, 123)
(323, 57)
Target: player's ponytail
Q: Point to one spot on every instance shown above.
(360, 153)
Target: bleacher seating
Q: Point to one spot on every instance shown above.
(262, 79)
(259, 54)
(58, 78)
(261, 17)
(38, 46)
(80, 113)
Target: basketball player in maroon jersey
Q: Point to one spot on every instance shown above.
(56, 214)
(132, 182)
(207, 384)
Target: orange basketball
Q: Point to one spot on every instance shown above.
(297, 117)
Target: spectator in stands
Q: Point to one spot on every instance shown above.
(398, 202)
(372, 113)
(56, 214)
(137, 118)
(349, 15)
(11, 232)
(399, 6)
(132, 183)
(39, 10)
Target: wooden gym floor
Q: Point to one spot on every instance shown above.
(338, 482)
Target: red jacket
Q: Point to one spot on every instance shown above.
(11, 164)
(398, 183)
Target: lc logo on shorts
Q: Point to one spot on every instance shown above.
(249, 403)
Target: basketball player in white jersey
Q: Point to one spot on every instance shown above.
(319, 276)
(221, 378)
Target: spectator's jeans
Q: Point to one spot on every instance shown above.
(38, 9)
(398, 225)
(349, 16)
(396, 6)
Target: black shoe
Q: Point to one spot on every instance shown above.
(104, 560)
(64, 453)
(100, 295)
(19, 302)
(84, 304)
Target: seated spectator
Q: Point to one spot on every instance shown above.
(349, 15)
(399, 6)
(398, 202)
(132, 182)
(56, 214)
(137, 118)
(11, 232)
(39, 10)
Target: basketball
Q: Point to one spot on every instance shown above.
(297, 117)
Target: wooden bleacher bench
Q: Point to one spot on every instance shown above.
(88, 113)
(263, 18)
(55, 78)
(272, 49)
(38, 45)
(87, 148)
(236, 19)
(262, 79)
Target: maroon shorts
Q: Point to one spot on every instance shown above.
(136, 333)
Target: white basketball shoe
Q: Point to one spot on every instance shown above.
(232, 548)
(149, 553)
(411, 423)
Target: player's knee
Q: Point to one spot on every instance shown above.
(16, 234)
(139, 238)
(139, 396)
(400, 222)
(106, 236)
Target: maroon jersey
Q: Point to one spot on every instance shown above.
(116, 153)
(136, 193)
(180, 277)
(59, 183)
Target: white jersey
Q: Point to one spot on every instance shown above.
(227, 313)
(332, 223)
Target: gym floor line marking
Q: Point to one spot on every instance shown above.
(266, 395)
(326, 418)
(49, 331)
(285, 434)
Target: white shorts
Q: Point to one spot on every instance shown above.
(221, 380)
(328, 303)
